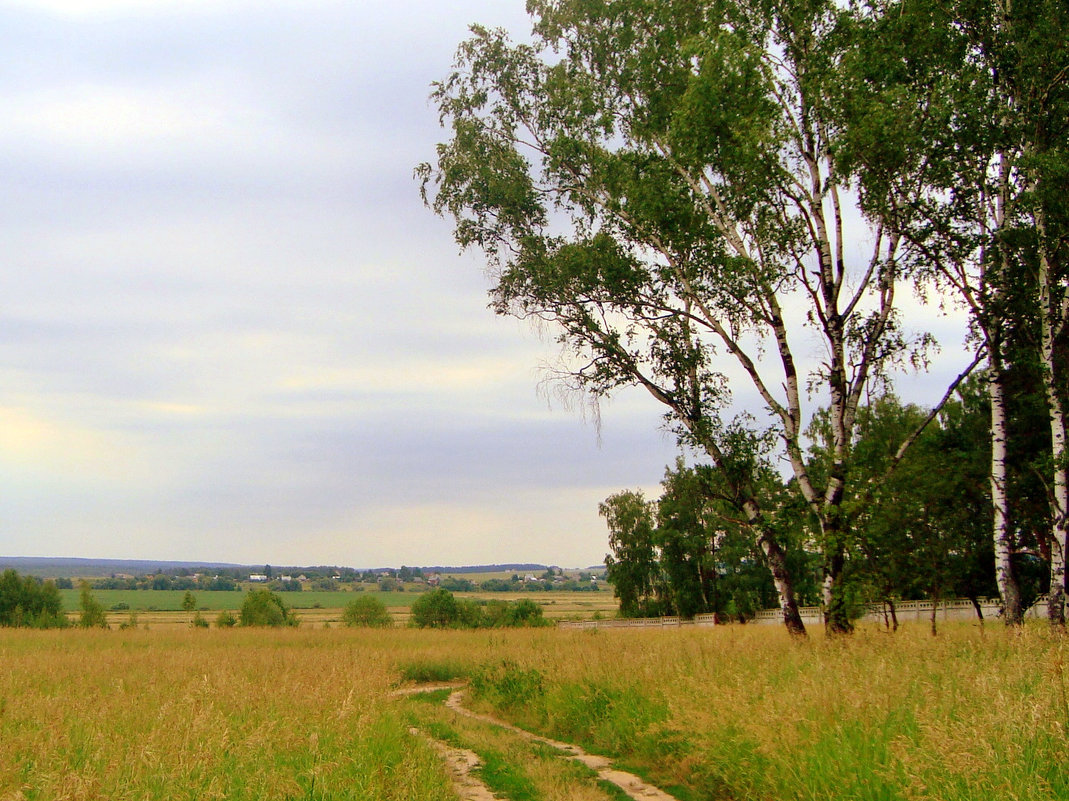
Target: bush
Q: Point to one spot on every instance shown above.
(92, 612)
(198, 621)
(263, 608)
(524, 612)
(29, 602)
(226, 620)
(437, 609)
(367, 611)
(129, 623)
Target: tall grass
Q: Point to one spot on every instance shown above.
(725, 713)
(747, 712)
(203, 715)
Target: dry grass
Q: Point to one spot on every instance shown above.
(193, 714)
(732, 712)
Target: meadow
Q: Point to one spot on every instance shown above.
(734, 712)
(157, 608)
(215, 601)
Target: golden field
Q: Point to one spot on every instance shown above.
(735, 712)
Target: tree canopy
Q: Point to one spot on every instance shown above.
(672, 187)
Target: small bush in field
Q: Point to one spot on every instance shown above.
(226, 620)
(367, 611)
(437, 609)
(92, 615)
(263, 608)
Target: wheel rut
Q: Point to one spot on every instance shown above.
(462, 763)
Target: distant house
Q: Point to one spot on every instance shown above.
(285, 578)
(257, 577)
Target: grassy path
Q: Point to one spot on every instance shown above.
(466, 766)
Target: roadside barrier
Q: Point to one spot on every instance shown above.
(949, 609)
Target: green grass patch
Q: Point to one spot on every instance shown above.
(444, 732)
(429, 671)
(505, 778)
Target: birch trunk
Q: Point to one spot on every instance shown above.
(1051, 319)
(1003, 537)
(781, 575)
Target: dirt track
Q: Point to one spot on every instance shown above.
(461, 762)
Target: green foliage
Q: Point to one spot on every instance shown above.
(610, 717)
(367, 611)
(29, 602)
(198, 621)
(506, 685)
(437, 609)
(226, 620)
(504, 778)
(264, 608)
(189, 602)
(129, 623)
(92, 614)
(632, 566)
(690, 553)
(455, 584)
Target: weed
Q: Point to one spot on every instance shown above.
(505, 778)
(426, 671)
(506, 685)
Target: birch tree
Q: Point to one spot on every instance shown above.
(980, 92)
(657, 182)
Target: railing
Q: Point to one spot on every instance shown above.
(949, 609)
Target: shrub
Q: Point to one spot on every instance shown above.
(27, 601)
(92, 612)
(198, 621)
(437, 609)
(367, 611)
(507, 686)
(524, 612)
(130, 623)
(226, 620)
(263, 608)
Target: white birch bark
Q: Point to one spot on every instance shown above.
(1003, 536)
(1052, 318)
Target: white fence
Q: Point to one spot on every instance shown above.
(638, 623)
(950, 609)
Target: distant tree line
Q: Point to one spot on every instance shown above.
(922, 531)
(29, 602)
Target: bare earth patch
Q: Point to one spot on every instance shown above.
(461, 763)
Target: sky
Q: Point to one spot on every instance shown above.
(229, 328)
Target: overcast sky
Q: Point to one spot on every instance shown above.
(230, 331)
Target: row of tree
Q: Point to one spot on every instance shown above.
(923, 532)
(688, 193)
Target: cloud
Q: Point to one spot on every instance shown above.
(231, 331)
